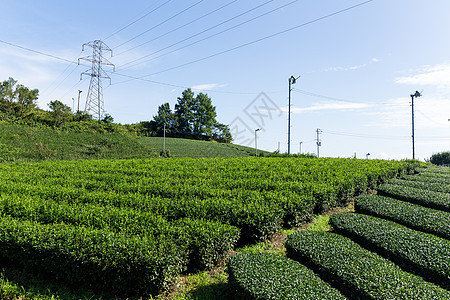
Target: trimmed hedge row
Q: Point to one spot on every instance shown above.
(207, 241)
(357, 272)
(274, 190)
(91, 258)
(269, 276)
(415, 216)
(436, 200)
(431, 186)
(426, 179)
(420, 253)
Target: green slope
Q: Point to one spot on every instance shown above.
(19, 143)
(194, 148)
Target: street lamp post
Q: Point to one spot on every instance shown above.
(300, 148)
(415, 95)
(292, 80)
(256, 145)
(367, 155)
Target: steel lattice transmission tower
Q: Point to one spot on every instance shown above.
(94, 99)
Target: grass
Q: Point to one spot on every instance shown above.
(195, 148)
(22, 143)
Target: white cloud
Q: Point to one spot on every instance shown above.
(351, 68)
(375, 60)
(330, 105)
(438, 75)
(207, 86)
(430, 112)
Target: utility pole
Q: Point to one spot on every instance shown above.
(318, 142)
(78, 107)
(292, 80)
(415, 95)
(256, 145)
(278, 147)
(164, 141)
(94, 99)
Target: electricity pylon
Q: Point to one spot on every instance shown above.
(94, 99)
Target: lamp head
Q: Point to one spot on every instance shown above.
(416, 94)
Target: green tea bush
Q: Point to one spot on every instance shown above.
(424, 185)
(420, 253)
(436, 200)
(206, 241)
(357, 272)
(411, 215)
(426, 179)
(91, 258)
(269, 276)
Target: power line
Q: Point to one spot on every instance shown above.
(159, 24)
(177, 86)
(179, 27)
(201, 32)
(345, 100)
(367, 136)
(261, 39)
(38, 52)
(60, 75)
(210, 36)
(145, 15)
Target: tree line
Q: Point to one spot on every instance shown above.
(194, 117)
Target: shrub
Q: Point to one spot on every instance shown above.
(424, 185)
(420, 253)
(206, 241)
(436, 200)
(268, 276)
(91, 258)
(411, 215)
(441, 159)
(358, 273)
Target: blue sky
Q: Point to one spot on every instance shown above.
(358, 66)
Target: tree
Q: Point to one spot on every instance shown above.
(441, 159)
(108, 119)
(184, 112)
(193, 117)
(61, 113)
(17, 99)
(164, 117)
(204, 115)
(222, 133)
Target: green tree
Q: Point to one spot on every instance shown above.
(441, 159)
(17, 99)
(164, 117)
(204, 115)
(222, 133)
(60, 112)
(194, 116)
(184, 112)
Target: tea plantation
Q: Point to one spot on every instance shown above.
(395, 246)
(128, 228)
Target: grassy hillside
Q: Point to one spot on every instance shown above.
(193, 148)
(26, 143)
(19, 143)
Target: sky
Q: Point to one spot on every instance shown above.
(357, 64)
